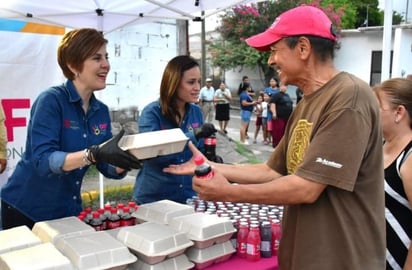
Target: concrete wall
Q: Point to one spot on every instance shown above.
(138, 55)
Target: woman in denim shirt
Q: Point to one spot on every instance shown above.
(67, 123)
(176, 108)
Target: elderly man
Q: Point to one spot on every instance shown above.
(206, 96)
(328, 168)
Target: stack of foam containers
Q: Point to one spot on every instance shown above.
(157, 245)
(211, 236)
(66, 244)
(21, 249)
(209, 233)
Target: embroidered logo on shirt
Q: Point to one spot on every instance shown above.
(99, 129)
(70, 124)
(328, 163)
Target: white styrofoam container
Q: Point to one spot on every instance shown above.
(161, 211)
(17, 238)
(180, 262)
(50, 230)
(204, 257)
(153, 242)
(39, 257)
(154, 143)
(94, 251)
(204, 229)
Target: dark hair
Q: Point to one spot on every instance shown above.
(172, 76)
(324, 48)
(75, 47)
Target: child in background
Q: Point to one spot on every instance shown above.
(258, 112)
(265, 104)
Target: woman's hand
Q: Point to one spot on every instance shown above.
(187, 168)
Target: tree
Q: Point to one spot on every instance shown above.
(240, 22)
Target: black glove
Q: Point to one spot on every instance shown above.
(205, 130)
(111, 153)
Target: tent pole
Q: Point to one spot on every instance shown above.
(203, 45)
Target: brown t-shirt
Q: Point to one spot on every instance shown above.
(334, 137)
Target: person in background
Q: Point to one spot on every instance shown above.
(179, 89)
(3, 142)
(246, 108)
(69, 130)
(395, 100)
(265, 114)
(281, 107)
(273, 87)
(327, 170)
(206, 97)
(222, 100)
(243, 84)
(258, 112)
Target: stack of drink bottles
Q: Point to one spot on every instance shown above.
(258, 229)
(110, 217)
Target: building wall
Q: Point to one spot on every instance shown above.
(138, 55)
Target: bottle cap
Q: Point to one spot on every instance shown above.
(199, 160)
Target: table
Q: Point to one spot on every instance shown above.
(242, 264)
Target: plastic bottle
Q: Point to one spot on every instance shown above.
(114, 220)
(276, 235)
(210, 147)
(203, 170)
(96, 222)
(233, 238)
(133, 208)
(103, 218)
(89, 215)
(253, 243)
(126, 219)
(242, 236)
(266, 240)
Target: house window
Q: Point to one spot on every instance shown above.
(376, 67)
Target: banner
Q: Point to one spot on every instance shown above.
(28, 65)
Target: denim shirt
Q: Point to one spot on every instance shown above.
(152, 184)
(38, 187)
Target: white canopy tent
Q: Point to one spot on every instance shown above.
(109, 15)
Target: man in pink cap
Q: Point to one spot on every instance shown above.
(328, 168)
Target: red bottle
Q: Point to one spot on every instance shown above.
(103, 218)
(253, 243)
(203, 170)
(114, 220)
(96, 222)
(242, 236)
(126, 219)
(276, 235)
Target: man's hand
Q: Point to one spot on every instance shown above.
(206, 130)
(216, 188)
(111, 153)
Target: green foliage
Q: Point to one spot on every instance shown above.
(244, 21)
(241, 22)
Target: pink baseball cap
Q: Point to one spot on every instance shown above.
(302, 20)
